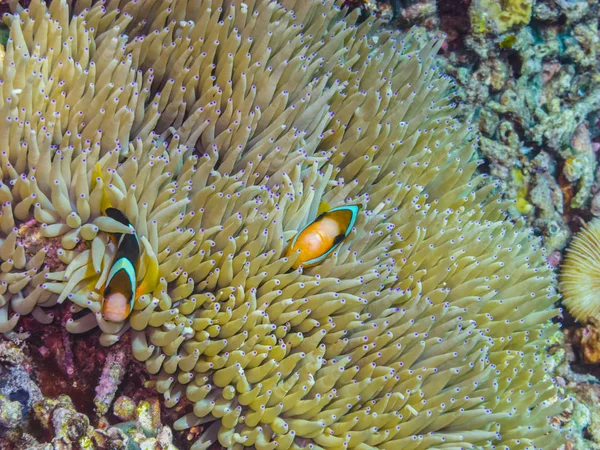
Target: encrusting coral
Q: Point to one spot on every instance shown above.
(218, 128)
(503, 14)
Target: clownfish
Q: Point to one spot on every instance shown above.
(120, 291)
(318, 239)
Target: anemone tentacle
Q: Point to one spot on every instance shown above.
(218, 127)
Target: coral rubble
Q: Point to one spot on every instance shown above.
(33, 417)
(217, 128)
(71, 429)
(18, 392)
(113, 372)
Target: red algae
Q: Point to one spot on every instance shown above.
(52, 384)
(94, 377)
(63, 363)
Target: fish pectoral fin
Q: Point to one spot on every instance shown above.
(145, 287)
(91, 286)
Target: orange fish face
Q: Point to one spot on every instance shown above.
(320, 238)
(118, 303)
(115, 307)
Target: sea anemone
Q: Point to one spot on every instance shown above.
(580, 273)
(218, 128)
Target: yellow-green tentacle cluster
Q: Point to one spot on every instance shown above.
(218, 128)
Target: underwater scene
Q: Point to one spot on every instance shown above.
(299, 224)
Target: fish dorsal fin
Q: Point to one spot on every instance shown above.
(323, 208)
(114, 213)
(130, 242)
(105, 202)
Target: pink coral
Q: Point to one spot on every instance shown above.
(554, 258)
(549, 69)
(115, 367)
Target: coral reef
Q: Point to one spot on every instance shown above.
(71, 429)
(532, 68)
(18, 392)
(218, 128)
(538, 112)
(34, 414)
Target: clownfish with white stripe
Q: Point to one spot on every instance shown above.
(319, 239)
(121, 290)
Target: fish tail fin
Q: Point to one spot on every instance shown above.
(105, 202)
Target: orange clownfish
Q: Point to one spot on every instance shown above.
(120, 290)
(317, 240)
